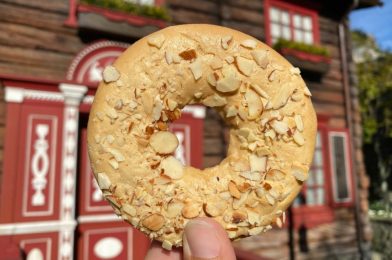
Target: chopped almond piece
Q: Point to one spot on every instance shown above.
(257, 164)
(156, 40)
(214, 101)
(154, 222)
(234, 190)
(298, 138)
(299, 172)
(172, 167)
(249, 43)
(216, 63)
(280, 127)
(103, 181)
(245, 66)
(228, 84)
(260, 57)
(226, 40)
(110, 74)
(255, 105)
(191, 210)
(196, 68)
(299, 123)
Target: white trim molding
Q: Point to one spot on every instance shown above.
(35, 227)
(195, 110)
(99, 218)
(18, 95)
(73, 95)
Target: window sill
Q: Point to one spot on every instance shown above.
(113, 22)
(307, 61)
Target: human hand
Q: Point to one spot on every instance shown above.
(203, 239)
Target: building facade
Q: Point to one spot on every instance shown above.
(52, 54)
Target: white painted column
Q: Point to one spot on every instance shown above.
(73, 95)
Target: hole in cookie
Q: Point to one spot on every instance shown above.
(212, 142)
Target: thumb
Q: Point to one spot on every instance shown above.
(205, 239)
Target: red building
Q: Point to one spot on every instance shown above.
(52, 54)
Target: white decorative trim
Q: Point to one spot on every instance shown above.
(110, 232)
(52, 165)
(40, 165)
(48, 242)
(73, 95)
(95, 46)
(35, 227)
(196, 111)
(99, 218)
(17, 95)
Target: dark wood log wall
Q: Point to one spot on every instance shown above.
(35, 43)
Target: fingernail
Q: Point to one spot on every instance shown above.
(201, 240)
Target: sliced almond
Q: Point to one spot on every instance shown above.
(270, 199)
(130, 210)
(225, 41)
(282, 96)
(239, 216)
(198, 94)
(234, 190)
(103, 181)
(174, 209)
(171, 104)
(214, 101)
(275, 175)
(299, 123)
(273, 75)
(297, 96)
(169, 57)
(255, 231)
(259, 91)
(116, 154)
(257, 164)
(252, 176)
(110, 74)
(237, 203)
(154, 222)
(253, 218)
(295, 71)
(215, 208)
(172, 167)
(113, 163)
(255, 105)
(191, 210)
(260, 57)
(307, 92)
(211, 79)
(229, 59)
(216, 63)
(164, 142)
(231, 111)
(298, 138)
(156, 40)
(249, 43)
(228, 84)
(299, 172)
(263, 151)
(167, 245)
(111, 113)
(280, 127)
(197, 69)
(245, 66)
(157, 109)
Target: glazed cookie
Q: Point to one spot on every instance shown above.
(260, 96)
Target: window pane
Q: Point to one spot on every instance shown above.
(307, 23)
(339, 165)
(308, 37)
(310, 199)
(286, 34)
(297, 21)
(298, 35)
(318, 140)
(285, 18)
(320, 196)
(275, 30)
(318, 158)
(319, 174)
(310, 181)
(274, 15)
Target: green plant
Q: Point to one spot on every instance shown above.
(121, 5)
(313, 49)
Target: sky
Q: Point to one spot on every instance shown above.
(376, 21)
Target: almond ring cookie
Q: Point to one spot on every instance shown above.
(260, 96)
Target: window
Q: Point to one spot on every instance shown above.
(330, 179)
(290, 22)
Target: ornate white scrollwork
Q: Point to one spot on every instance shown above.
(40, 164)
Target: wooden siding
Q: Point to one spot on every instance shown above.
(35, 43)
